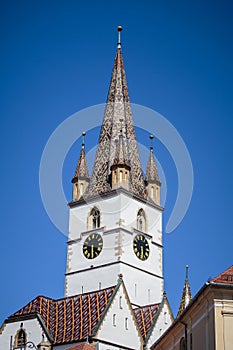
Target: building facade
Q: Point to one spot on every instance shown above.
(207, 321)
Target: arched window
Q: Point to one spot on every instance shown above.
(121, 176)
(141, 220)
(81, 189)
(182, 344)
(20, 339)
(152, 191)
(94, 219)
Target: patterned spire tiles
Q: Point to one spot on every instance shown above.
(117, 116)
(151, 171)
(120, 157)
(82, 168)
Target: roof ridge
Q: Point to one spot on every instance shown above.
(225, 277)
(148, 305)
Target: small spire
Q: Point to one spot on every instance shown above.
(119, 29)
(151, 171)
(186, 294)
(81, 169)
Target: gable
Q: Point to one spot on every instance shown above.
(32, 327)
(119, 325)
(162, 322)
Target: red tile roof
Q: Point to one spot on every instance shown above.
(82, 346)
(69, 319)
(145, 317)
(226, 277)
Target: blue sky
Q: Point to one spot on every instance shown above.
(56, 59)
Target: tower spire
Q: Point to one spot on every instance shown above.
(186, 294)
(117, 115)
(152, 181)
(81, 178)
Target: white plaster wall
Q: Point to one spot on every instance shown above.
(119, 206)
(118, 333)
(142, 288)
(33, 330)
(117, 246)
(148, 289)
(163, 322)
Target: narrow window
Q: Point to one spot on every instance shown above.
(149, 295)
(191, 341)
(114, 320)
(126, 323)
(141, 220)
(81, 189)
(152, 191)
(121, 175)
(94, 219)
(165, 318)
(99, 285)
(182, 344)
(120, 302)
(82, 289)
(135, 290)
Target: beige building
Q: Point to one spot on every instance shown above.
(207, 322)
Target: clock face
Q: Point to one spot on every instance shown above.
(141, 247)
(92, 246)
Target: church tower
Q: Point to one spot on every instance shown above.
(115, 224)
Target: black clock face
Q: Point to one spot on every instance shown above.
(141, 247)
(92, 246)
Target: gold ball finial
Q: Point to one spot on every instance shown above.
(119, 28)
(151, 137)
(83, 133)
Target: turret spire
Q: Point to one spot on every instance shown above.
(152, 181)
(81, 178)
(186, 294)
(117, 116)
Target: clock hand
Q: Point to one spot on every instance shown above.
(141, 252)
(92, 251)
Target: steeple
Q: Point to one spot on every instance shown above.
(117, 116)
(152, 181)
(81, 178)
(120, 170)
(186, 294)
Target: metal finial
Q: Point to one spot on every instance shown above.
(119, 29)
(151, 142)
(83, 139)
(187, 272)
